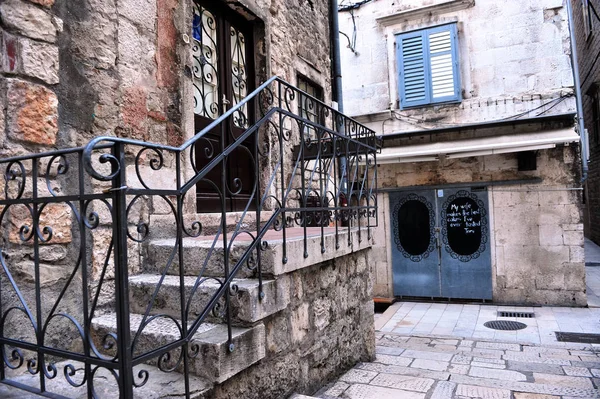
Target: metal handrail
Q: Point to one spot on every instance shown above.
(312, 172)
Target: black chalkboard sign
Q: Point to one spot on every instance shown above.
(463, 224)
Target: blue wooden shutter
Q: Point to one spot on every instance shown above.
(428, 66)
(413, 80)
(443, 64)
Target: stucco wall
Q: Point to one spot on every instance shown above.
(513, 57)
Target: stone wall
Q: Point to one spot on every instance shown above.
(74, 70)
(589, 73)
(325, 330)
(513, 57)
(536, 229)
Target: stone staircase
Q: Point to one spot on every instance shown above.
(215, 363)
(214, 360)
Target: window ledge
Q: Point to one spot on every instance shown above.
(418, 12)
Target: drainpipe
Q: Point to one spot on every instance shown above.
(581, 125)
(337, 77)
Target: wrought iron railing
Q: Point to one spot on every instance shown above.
(82, 219)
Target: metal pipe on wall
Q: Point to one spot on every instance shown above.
(337, 79)
(576, 80)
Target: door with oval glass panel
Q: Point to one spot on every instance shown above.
(466, 270)
(440, 244)
(223, 75)
(415, 253)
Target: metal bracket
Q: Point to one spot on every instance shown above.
(110, 190)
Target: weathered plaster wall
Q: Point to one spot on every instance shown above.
(537, 231)
(513, 57)
(589, 73)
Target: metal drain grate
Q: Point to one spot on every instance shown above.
(527, 315)
(577, 337)
(505, 325)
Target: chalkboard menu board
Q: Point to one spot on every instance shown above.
(463, 223)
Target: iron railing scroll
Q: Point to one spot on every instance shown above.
(82, 220)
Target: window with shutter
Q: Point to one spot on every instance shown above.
(428, 66)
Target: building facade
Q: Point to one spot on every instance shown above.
(586, 25)
(480, 173)
(159, 159)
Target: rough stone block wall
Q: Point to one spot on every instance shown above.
(325, 330)
(75, 70)
(589, 74)
(72, 71)
(381, 250)
(537, 230)
(29, 122)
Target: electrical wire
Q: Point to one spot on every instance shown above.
(419, 122)
(557, 101)
(352, 6)
(546, 110)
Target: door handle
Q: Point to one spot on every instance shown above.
(437, 237)
(226, 102)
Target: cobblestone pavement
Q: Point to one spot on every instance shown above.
(436, 368)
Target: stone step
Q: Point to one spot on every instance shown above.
(276, 259)
(246, 306)
(195, 255)
(213, 362)
(160, 385)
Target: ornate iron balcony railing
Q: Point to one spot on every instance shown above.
(83, 219)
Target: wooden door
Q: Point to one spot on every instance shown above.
(223, 76)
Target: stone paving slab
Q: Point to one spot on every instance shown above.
(360, 391)
(438, 368)
(443, 390)
(403, 382)
(434, 365)
(473, 391)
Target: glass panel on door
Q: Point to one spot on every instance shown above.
(223, 76)
(206, 64)
(415, 260)
(465, 257)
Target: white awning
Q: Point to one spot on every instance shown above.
(477, 147)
